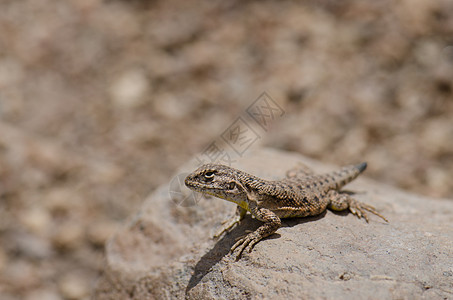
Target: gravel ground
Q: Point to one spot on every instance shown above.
(101, 101)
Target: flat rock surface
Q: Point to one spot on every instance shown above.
(167, 250)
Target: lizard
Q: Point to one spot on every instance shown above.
(302, 193)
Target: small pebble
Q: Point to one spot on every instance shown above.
(99, 232)
(43, 294)
(128, 90)
(68, 237)
(36, 219)
(73, 287)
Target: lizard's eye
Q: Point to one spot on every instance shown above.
(209, 175)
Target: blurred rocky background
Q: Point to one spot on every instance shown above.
(101, 101)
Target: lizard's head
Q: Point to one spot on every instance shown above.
(217, 180)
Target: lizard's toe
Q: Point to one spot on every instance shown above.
(372, 210)
(227, 225)
(359, 209)
(219, 232)
(359, 213)
(251, 245)
(245, 243)
(354, 211)
(364, 215)
(239, 246)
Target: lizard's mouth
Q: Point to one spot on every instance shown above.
(190, 183)
(194, 184)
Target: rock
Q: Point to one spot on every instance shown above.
(166, 250)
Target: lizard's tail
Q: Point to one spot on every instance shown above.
(348, 174)
(361, 167)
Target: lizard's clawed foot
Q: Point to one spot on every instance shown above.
(227, 225)
(245, 243)
(358, 208)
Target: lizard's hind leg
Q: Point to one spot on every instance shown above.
(299, 171)
(339, 202)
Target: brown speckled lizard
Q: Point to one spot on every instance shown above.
(302, 193)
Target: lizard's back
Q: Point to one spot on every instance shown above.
(301, 196)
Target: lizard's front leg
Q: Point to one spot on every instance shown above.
(271, 223)
(228, 224)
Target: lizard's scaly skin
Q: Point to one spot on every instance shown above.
(302, 193)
